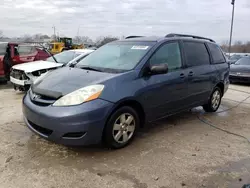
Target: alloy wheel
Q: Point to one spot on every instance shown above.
(124, 128)
(216, 97)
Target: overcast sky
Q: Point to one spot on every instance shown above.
(209, 18)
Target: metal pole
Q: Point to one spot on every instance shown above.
(54, 32)
(78, 39)
(231, 32)
(78, 31)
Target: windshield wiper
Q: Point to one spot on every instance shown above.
(90, 68)
(48, 52)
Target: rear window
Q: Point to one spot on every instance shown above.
(196, 54)
(216, 53)
(25, 50)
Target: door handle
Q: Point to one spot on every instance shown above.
(182, 75)
(190, 73)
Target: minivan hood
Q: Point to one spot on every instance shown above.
(36, 65)
(65, 80)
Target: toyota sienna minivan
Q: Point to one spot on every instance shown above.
(124, 84)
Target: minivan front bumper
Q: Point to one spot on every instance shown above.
(74, 125)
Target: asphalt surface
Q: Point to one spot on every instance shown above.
(180, 151)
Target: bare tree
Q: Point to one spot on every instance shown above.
(27, 38)
(53, 37)
(248, 46)
(104, 40)
(83, 40)
(37, 37)
(237, 47)
(45, 37)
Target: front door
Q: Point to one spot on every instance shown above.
(165, 93)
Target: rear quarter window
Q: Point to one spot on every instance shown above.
(196, 54)
(25, 50)
(216, 53)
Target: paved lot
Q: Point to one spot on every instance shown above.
(180, 151)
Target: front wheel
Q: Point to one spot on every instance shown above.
(3, 82)
(121, 127)
(214, 101)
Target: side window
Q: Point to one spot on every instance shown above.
(16, 51)
(216, 53)
(196, 54)
(33, 49)
(24, 50)
(168, 53)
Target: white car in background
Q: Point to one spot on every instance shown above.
(23, 75)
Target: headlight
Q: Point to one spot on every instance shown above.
(80, 96)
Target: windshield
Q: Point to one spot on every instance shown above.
(64, 57)
(120, 56)
(243, 61)
(235, 57)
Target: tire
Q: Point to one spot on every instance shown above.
(3, 82)
(214, 101)
(114, 136)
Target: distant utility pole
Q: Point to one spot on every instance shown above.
(54, 30)
(78, 37)
(231, 32)
(77, 34)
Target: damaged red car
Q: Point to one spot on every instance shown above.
(14, 53)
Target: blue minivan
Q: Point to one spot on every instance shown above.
(121, 86)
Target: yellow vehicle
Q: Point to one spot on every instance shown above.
(63, 44)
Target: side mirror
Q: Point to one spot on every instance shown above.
(72, 64)
(158, 69)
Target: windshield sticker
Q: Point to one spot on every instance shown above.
(139, 47)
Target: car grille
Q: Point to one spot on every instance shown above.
(41, 100)
(18, 74)
(42, 130)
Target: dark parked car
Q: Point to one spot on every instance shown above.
(118, 88)
(240, 71)
(234, 58)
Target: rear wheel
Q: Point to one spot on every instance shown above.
(214, 101)
(121, 127)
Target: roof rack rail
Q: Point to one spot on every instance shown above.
(191, 36)
(130, 37)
